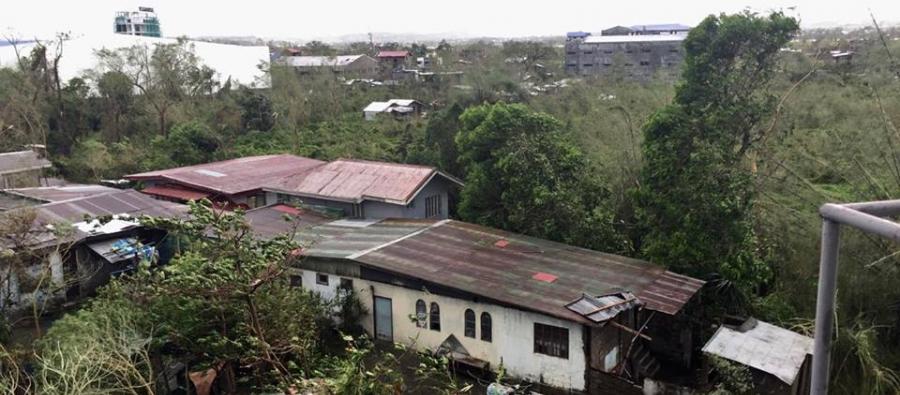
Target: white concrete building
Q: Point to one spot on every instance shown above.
(548, 313)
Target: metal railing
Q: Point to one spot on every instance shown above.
(868, 217)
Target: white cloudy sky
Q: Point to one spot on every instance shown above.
(504, 18)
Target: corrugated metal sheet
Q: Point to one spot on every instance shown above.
(603, 308)
(271, 221)
(464, 256)
(234, 176)
(60, 193)
(14, 162)
(128, 201)
(766, 347)
(358, 180)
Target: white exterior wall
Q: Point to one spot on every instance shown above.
(512, 331)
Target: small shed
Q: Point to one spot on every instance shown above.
(778, 358)
(396, 107)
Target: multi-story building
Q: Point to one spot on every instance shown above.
(142, 22)
(638, 52)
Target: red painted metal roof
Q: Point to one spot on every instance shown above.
(393, 54)
(235, 176)
(357, 180)
(175, 192)
(463, 256)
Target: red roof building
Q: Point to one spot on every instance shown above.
(385, 189)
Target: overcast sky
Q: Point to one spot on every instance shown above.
(503, 18)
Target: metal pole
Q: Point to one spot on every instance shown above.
(825, 305)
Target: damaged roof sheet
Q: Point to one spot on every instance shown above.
(605, 307)
(470, 258)
(233, 176)
(766, 347)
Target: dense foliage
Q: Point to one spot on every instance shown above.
(697, 189)
(718, 176)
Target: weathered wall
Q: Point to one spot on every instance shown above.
(23, 179)
(512, 330)
(637, 60)
(379, 210)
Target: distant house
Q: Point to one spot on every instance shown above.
(549, 313)
(393, 60)
(395, 107)
(779, 358)
(22, 169)
(356, 65)
(370, 190)
(80, 254)
(230, 183)
(641, 30)
(354, 188)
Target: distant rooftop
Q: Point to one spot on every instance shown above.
(635, 38)
(233, 176)
(665, 27)
(320, 61)
(393, 54)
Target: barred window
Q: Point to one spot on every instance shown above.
(435, 321)
(470, 323)
(486, 334)
(551, 340)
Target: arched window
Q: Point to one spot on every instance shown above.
(435, 317)
(421, 314)
(470, 323)
(485, 327)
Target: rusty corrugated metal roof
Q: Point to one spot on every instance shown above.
(128, 201)
(60, 193)
(233, 176)
(465, 257)
(358, 180)
(604, 307)
(279, 219)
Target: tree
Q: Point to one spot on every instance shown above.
(318, 48)
(256, 110)
(188, 144)
(696, 194)
(117, 98)
(524, 174)
(164, 76)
